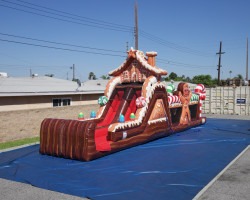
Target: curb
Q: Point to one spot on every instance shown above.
(218, 175)
(18, 147)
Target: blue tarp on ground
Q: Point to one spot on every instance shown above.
(175, 167)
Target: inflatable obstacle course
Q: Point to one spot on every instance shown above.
(136, 108)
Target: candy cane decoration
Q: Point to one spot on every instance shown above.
(173, 99)
(170, 100)
(140, 102)
(201, 90)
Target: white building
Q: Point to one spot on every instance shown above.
(44, 92)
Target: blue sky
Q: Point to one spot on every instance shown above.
(186, 35)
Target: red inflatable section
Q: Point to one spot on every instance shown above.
(101, 132)
(132, 106)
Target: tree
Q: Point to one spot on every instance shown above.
(239, 76)
(187, 79)
(105, 77)
(172, 76)
(77, 81)
(178, 78)
(49, 75)
(92, 76)
(204, 79)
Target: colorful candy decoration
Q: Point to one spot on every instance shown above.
(201, 90)
(140, 102)
(92, 114)
(170, 88)
(170, 100)
(132, 116)
(121, 118)
(173, 99)
(80, 116)
(102, 100)
(194, 97)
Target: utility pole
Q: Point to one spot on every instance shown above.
(247, 62)
(136, 27)
(219, 65)
(73, 68)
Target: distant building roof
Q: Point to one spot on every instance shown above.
(30, 86)
(37, 86)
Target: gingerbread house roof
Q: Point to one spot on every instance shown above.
(146, 62)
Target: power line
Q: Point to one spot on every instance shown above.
(159, 60)
(59, 48)
(99, 24)
(65, 44)
(172, 45)
(18, 66)
(95, 23)
(171, 62)
(175, 63)
(81, 17)
(90, 24)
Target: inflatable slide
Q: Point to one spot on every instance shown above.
(136, 108)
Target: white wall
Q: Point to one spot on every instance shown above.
(227, 100)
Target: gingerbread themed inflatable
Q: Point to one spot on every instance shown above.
(136, 108)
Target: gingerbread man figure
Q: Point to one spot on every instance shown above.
(184, 95)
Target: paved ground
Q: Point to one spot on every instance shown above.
(232, 183)
(10, 190)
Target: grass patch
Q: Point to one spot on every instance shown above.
(16, 143)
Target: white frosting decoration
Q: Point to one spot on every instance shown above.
(150, 88)
(152, 53)
(147, 86)
(109, 90)
(111, 86)
(142, 59)
(157, 120)
(171, 105)
(117, 69)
